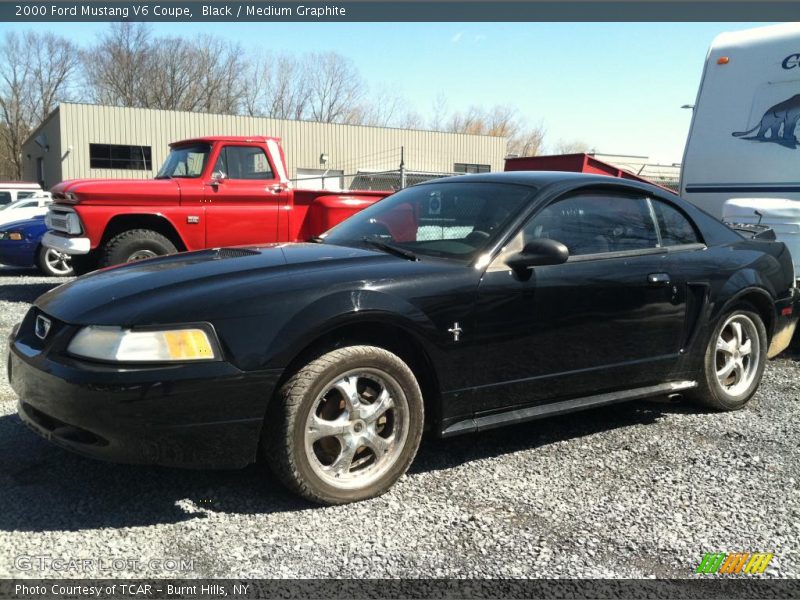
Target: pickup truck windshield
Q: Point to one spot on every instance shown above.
(185, 161)
(448, 220)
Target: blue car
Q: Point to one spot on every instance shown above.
(21, 246)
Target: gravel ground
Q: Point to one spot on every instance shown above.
(637, 490)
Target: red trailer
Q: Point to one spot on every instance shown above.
(576, 163)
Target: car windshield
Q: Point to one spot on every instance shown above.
(185, 161)
(451, 220)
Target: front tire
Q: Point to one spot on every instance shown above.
(134, 245)
(734, 361)
(54, 263)
(346, 426)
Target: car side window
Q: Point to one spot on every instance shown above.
(675, 227)
(5, 197)
(595, 223)
(30, 204)
(23, 195)
(244, 162)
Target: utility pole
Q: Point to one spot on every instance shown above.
(402, 168)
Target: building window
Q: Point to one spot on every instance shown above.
(116, 156)
(471, 168)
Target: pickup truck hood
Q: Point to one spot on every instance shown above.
(217, 284)
(109, 191)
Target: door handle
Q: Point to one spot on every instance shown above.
(658, 279)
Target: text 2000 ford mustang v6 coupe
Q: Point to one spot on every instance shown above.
(462, 304)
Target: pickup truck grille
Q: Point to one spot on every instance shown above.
(63, 219)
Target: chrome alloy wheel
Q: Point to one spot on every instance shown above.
(58, 262)
(141, 255)
(356, 428)
(737, 354)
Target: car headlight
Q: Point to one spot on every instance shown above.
(144, 345)
(12, 235)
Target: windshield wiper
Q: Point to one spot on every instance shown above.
(390, 248)
(316, 239)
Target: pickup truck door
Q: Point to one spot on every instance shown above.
(243, 197)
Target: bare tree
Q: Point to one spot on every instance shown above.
(277, 87)
(336, 88)
(528, 141)
(571, 147)
(220, 66)
(438, 112)
(118, 68)
(34, 74)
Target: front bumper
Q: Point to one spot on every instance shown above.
(17, 253)
(787, 311)
(66, 243)
(206, 415)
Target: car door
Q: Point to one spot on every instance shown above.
(609, 318)
(244, 198)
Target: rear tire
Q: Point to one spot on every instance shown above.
(54, 263)
(734, 361)
(134, 245)
(346, 426)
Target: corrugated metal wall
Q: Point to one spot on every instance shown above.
(51, 154)
(349, 148)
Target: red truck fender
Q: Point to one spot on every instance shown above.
(100, 225)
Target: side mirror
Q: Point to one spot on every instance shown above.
(539, 252)
(218, 176)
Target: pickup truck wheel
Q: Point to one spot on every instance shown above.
(346, 426)
(734, 361)
(54, 263)
(135, 244)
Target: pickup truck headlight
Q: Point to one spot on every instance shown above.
(116, 344)
(66, 220)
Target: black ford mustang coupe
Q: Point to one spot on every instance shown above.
(458, 305)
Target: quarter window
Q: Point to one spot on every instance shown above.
(244, 162)
(5, 197)
(596, 223)
(675, 228)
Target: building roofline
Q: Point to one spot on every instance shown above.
(32, 135)
(493, 137)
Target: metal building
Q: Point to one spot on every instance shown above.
(90, 141)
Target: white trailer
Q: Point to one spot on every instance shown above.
(743, 141)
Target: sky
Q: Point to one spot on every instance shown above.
(618, 87)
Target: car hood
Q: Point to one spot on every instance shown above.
(22, 224)
(213, 284)
(103, 191)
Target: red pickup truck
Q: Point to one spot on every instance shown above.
(211, 192)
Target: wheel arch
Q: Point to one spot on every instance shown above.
(384, 332)
(155, 222)
(760, 299)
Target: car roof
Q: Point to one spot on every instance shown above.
(542, 179)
